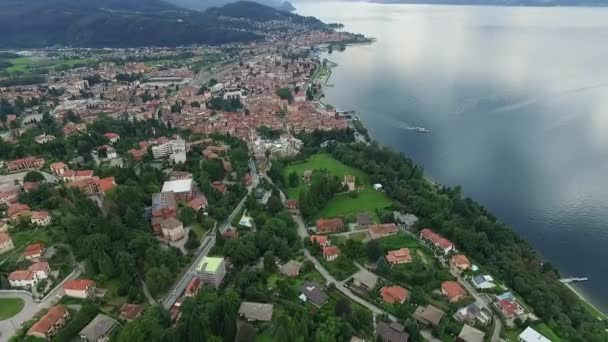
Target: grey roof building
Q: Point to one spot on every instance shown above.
(314, 293)
(99, 329)
(291, 268)
(365, 280)
(428, 315)
(252, 311)
(470, 334)
(393, 332)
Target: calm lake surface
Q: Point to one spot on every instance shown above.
(516, 100)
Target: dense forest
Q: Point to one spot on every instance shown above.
(130, 23)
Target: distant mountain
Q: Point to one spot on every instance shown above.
(131, 23)
(546, 3)
(200, 5)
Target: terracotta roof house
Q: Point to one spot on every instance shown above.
(377, 231)
(428, 315)
(399, 256)
(292, 204)
(129, 312)
(9, 197)
(79, 288)
(393, 332)
(439, 242)
(320, 239)
(394, 294)
(113, 137)
(29, 186)
(22, 278)
(230, 234)
(461, 262)
(453, 291)
(34, 251)
(41, 269)
(247, 179)
(6, 243)
(331, 253)
(198, 203)
(59, 168)
(48, 324)
(18, 209)
(40, 218)
(164, 204)
(326, 226)
(313, 293)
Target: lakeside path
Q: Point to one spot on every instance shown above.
(597, 313)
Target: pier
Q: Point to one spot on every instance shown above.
(573, 279)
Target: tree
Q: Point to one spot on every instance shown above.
(374, 250)
(294, 179)
(33, 176)
(214, 168)
(284, 93)
(193, 242)
(187, 215)
(342, 308)
(269, 262)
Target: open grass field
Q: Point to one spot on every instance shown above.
(29, 64)
(367, 200)
(9, 307)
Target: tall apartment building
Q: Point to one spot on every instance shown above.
(212, 271)
(169, 148)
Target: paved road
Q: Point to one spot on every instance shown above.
(207, 243)
(10, 326)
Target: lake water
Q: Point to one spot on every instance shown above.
(516, 100)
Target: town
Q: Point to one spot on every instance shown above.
(209, 193)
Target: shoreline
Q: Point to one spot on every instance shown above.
(591, 307)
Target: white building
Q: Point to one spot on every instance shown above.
(41, 269)
(22, 278)
(212, 271)
(169, 148)
(531, 335)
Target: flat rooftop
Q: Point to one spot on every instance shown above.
(209, 264)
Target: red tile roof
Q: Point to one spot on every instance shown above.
(329, 225)
(384, 229)
(436, 239)
(34, 249)
(4, 238)
(107, 184)
(399, 256)
(330, 251)
(78, 284)
(49, 320)
(193, 286)
(394, 294)
(17, 208)
(39, 266)
(320, 239)
(130, 311)
(461, 261)
(21, 275)
(111, 135)
(453, 290)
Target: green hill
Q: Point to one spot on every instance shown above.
(131, 23)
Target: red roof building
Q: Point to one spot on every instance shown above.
(59, 168)
(129, 312)
(247, 179)
(9, 197)
(18, 209)
(23, 164)
(377, 231)
(320, 239)
(453, 290)
(394, 294)
(292, 204)
(193, 287)
(326, 226)
(461, 262)
(79, 288)
(441, 243)
(48, 324)
(331, 253)
(399, 256)
(34, 251)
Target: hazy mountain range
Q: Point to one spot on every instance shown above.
(132, 23)
(547, 3)
(205, 4)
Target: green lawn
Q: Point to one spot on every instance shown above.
(24, 237)
(199, 230)
(399, 241)
(367, 200)
(26, 64)
(547, 332)
(9, 307)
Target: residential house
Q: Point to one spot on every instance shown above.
(230, 234)
(394, 294)
(377, 231)
(470, 334)
(247, 179)
(193, 287)
(94, 185)
(291, 268)
(365, 280)
(40, 218)
(24, 164)
(113, 137)
(393, 332)
(3, 228)
(363, 221)
(219, 186)
(198, 203)
(253, 312)
(442, 244)
(349, 183)
(508, 306)
(453, 291)
(34, 251)
(183, 189)
(331, 253)
(129, 312)
(483, 282)
(111, 153)
(172, 229)
(80, 288)
(22, 278)
(17, 210)
(313, 293)
(59, 168)
(323, 241)
(178, 175)
(212, 271)
(326, 226)
(99, 329)
(9, 197)
(6, 243)
(399, 256)
(472, 314)
(292, 205)
(30, 186)
(531, 335)
(44, 138)
(47, 325)
(41, 269)
(428, 315)
(460, 262)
